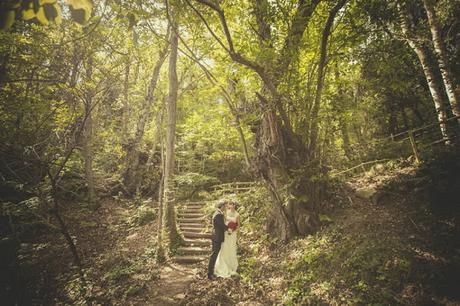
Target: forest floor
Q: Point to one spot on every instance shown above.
(117, 244)
(381, 242)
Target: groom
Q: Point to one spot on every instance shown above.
(218, 235)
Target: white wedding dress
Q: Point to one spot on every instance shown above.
(227, 263)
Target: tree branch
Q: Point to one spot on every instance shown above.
(235, 56)
(291, 46)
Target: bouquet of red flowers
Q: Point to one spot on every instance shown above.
(232, 225)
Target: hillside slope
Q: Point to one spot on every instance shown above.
(382, 242)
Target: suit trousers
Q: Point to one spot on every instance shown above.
(212, 260)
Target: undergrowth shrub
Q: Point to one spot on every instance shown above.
(144, 215)
(335, 268)
(117, 277)
(189, 184)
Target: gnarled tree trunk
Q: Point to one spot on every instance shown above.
(281, 159)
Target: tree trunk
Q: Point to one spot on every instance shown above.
(244, 146)
(280, 154)
(156, 138)
(125, 114)
(343, 125)
(88, 139)
(170, 216)
(392, 117)
(160, 233)
(236, 115)
(273, 171)
(136, 47)
(132, 176)
(321, 75)
(88, 154)
(433, 85)
(62, 226)
(441, 54)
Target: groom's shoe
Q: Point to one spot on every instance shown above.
(211, 277)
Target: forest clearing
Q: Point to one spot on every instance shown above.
(207, 152)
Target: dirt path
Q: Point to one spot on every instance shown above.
(170, 289)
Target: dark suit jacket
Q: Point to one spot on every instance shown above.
(219, 228)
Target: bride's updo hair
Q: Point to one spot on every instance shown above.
(234, 203)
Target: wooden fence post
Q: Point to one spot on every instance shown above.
(414, 146)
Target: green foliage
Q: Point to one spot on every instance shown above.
(120, 270)
(372, 269)
(144, 215)
(75, 291)
(118, 277)
(246, 266)
(254, 208)
(188, 184)
(208, 141)
(52, 78)
(194, 180)
(26, 217)
(43, 12)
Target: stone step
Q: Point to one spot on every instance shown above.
(187, 259)
(196, 235)
(197, 242)
(190, 215)
(185, 219)
(194, 204)
(192, 229)
(191, 225)
(191, 210)
(193, 250)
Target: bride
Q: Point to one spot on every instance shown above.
(227, 263)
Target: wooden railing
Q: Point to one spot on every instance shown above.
(411, 136)
(233, 187)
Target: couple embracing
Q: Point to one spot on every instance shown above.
(225, 222)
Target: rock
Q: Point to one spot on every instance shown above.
(132, 236)
(379, 168)
(366, 193)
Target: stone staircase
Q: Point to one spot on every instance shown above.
(194, 229)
